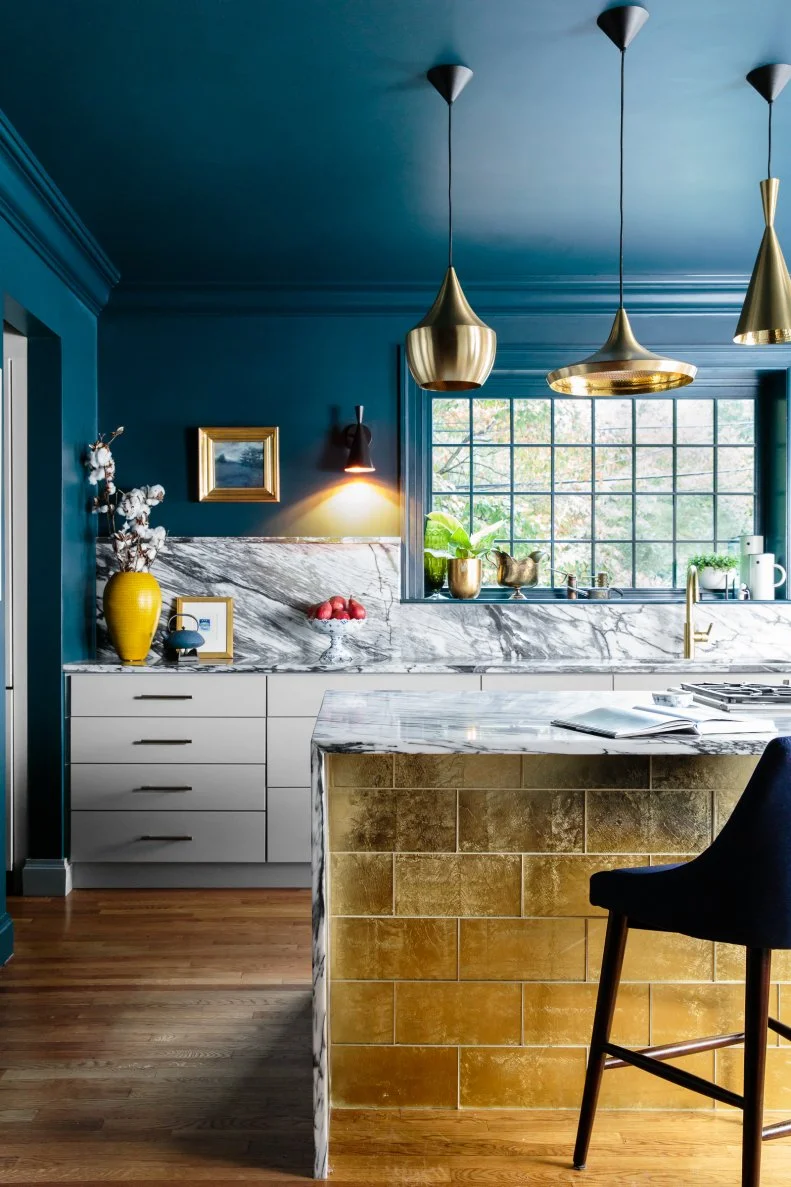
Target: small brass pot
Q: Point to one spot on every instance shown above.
(464, 578)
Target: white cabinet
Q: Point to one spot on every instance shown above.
(289, 749)
(288, 824)
(168, 739)
(166, 787)
(696, 675)
(301, 694)
(112, 837)
(168, 694)
(547, 682)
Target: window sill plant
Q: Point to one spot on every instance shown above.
(464, 552)
(716, 570)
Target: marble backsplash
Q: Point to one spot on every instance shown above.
(272, 583)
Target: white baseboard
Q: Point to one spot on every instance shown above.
(45, 877)
(188, 876)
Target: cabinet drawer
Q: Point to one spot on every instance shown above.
(547, 681)
(145, 694)
(288, 824)
(636, 680)
(168, 836)
(167, 740)
(137, 787)
(289, 750)
(298, 695)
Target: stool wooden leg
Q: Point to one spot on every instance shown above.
(612, 962)
(756, 1015)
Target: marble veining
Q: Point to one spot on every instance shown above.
(500, 723)
(274, 581)
(319, 850)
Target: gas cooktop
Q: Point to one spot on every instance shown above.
(741, 696)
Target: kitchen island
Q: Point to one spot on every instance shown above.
(455, 954)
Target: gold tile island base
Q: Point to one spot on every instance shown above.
(464, 955)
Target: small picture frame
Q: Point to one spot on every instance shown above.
(238, 465)
(215, 623)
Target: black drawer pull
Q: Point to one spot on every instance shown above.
(153, 787)
(155, 837)
(163, 742)
(164, 696)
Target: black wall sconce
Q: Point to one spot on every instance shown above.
(358, 439)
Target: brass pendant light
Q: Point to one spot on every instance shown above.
(622, 367)
(766, 313)
(451, 349)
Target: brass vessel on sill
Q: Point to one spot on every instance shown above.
(515, 573)
(464, 577)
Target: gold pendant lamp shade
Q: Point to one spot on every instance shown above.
(622, 367)
(451, 349)
(766, 314)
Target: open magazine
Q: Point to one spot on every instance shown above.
(642, 722)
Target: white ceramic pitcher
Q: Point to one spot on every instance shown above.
(762, 576)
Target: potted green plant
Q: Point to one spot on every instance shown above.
(716, 570)
(463, 551)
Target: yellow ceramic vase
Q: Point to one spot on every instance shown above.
(132, 602)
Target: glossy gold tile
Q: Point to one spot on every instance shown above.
(561, 885)
(783, 1009)
(522, 949)
(393, 949)
(654, 955)
(429, 770)
(456, 884)
(361, 884)
(361, 770)
(562, 1014)
(426, 820)
(777, 1083)
(394, 1077)
(361, 820)
(584, 770)
(706, 771)
(696, 1011)
(725, 800)
(478, 1013)
(629, 1088)
(522, 1078)
(458, 770)
(512, 821)
(731, 963)
(648, 821)
(361, 1012)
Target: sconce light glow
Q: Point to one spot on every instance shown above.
(358, 437)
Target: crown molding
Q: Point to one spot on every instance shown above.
(688, 294)
(37, 211)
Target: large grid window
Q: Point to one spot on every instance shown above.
(633, 487)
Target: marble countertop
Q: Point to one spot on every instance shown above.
(402, 664)
(500, 723)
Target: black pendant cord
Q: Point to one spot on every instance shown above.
(620, 195)
(450, 185)
(769, 162)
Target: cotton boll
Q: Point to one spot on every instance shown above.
(154, 494)
(103, 456)
(111, 488)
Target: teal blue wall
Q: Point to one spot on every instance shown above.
(164, 372)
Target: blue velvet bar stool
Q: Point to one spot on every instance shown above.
(737, 892)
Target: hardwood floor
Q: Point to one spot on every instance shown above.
(165, 1036)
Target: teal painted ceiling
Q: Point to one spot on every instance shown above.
(296, 140)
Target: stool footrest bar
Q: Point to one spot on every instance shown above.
(780, 1028)
(675, 1075)
(780, 1129)
(683, 1047)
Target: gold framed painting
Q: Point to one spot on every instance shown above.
(238, 465)
(215, 622)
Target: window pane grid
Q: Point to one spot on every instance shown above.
(633, 486)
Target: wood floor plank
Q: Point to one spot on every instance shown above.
(164, 1036)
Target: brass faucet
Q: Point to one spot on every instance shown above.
(691, 636)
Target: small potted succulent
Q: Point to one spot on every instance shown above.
(716, 570)
(462, 551)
